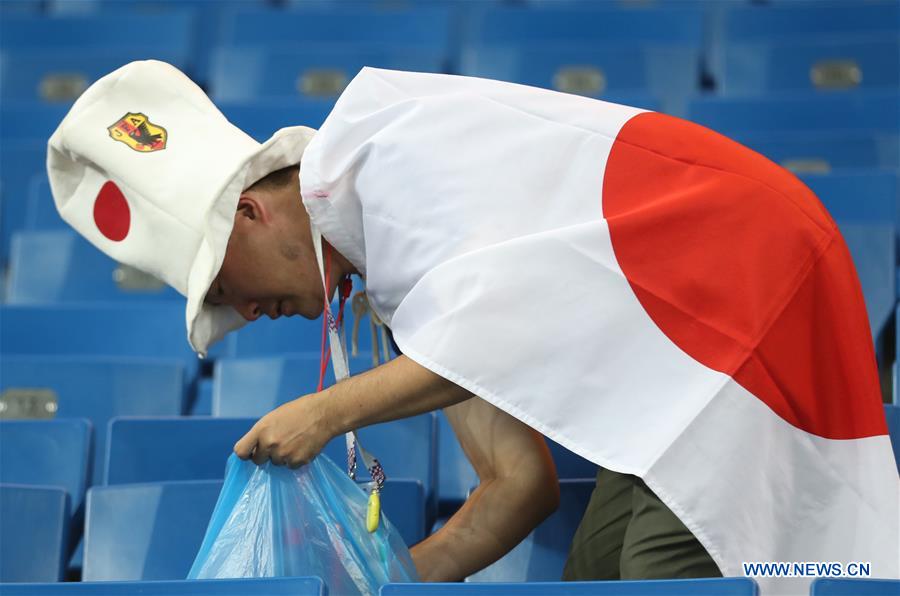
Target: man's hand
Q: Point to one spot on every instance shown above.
(296, 432)
(291, 435)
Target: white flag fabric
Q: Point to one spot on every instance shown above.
(644, 291)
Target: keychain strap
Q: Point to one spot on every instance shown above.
(340, 363)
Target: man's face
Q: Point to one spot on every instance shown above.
(270, 266)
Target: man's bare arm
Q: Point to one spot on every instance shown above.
(518, 489)
(397, 389)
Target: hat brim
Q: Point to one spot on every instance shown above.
(206, 323)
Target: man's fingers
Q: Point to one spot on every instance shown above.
(260, 455)
(244, 448)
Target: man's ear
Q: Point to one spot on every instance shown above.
(250, 210)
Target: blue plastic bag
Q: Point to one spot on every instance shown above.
(272, 521)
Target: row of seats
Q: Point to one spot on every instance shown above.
(314, 586)
(244, 50)
(182, 459)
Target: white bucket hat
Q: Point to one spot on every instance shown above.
(149, 171)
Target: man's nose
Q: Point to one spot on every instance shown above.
(250, 310)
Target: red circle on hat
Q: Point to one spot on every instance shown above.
(111, 212)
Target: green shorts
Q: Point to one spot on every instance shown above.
(628, 533)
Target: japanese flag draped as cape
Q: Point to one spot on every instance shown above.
(648, 293)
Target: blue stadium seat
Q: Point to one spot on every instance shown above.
(303, 71)
(61, 76)
(727, 586)
(252, 387)
(21, 7)
(20, 162)
(669, 74)
(171, 30)
(260, 119)
(99, 389)
(827, 65)
(865, 205)
(153, 330)
(61, 266)
(542, 555)
(892, 414)
(825, 586)
(47, 453)
(30, 122)
(269, 586)
(869, 111)
(40, 210)
(499, 25)
(863, 197)
(207, 25)
(34, 534)
(202, 405)
(795, 20)
(826, 151)
(874, 252)
(146, 531)
(403, 502)
(423, 28)
(569, 465)
(169, 449)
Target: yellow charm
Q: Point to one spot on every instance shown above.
(373, 514)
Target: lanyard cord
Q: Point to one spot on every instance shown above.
(346, 288)
(330, 327)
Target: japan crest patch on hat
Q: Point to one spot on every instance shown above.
(136, 131)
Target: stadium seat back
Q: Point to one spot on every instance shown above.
(869, 111)
(892, 414)
(20, 162)
(723, 586)
(98, 389)
(268, 586)
(403, 502)
(826, 586)
(306, 72)
(798, 20)
(42, 75)
(101, 30)
(874, 252)
(34, 533)
(146, 531)
(61, 266)
(252, 387)
(170, 449)
(826, 151)
(827, 66)
(669, 74)
(261, 118)
(40, 210)
(423, 27)
(153, 330)
(501, 25)
(47, 453)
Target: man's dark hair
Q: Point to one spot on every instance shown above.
(277, 179)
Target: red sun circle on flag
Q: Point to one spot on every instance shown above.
(111, 212)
